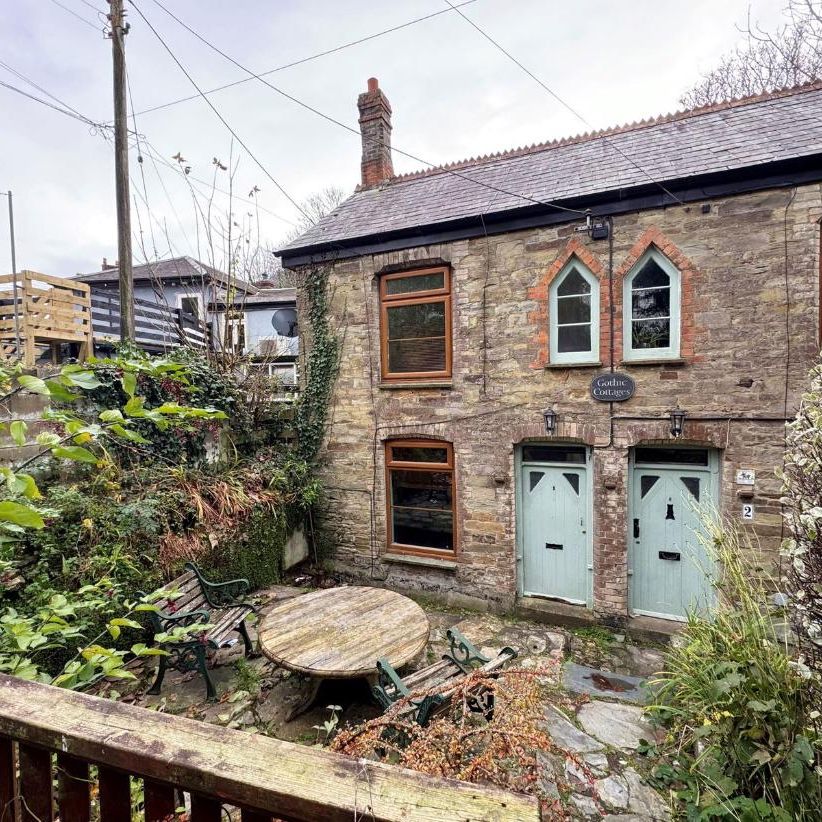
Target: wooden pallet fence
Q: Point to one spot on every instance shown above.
(85, 740)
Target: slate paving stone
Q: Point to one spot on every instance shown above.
(613, 791)
(580, 679)
(597, 762)
(585, 806)
(566, 734)
(644, 800)
(615, 724)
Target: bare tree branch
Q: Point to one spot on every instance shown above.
(788, 56)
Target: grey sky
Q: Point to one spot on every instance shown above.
(453, 96)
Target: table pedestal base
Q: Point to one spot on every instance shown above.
(308, 698)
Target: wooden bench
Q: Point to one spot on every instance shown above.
(435, 683)
(193, 600)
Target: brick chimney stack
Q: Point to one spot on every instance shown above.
(375, 128)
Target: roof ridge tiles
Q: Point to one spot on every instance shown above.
(611, 131)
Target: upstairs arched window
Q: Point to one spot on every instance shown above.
(574, 315)
(651, 300)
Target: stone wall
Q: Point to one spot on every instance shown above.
(747, 344)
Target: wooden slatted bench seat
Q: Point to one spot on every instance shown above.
(193, 600)
(436, 682)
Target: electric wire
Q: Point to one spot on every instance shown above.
(92, 7)
(560, 100)
(306, 59)
(222, 119)
(140, 163)
(97, 126)
(75, 14)
(64, 108)
(351, 129)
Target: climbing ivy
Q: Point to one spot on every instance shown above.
(321, 365)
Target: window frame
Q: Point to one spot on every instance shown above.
(573, 357)
(432, 467)
(433, 295)
(672, 351)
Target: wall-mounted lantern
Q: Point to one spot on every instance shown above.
(550, 416)
(677, 421)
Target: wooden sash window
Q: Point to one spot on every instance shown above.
(415, 324)
(420, 496)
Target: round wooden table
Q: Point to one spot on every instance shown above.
(340, 633)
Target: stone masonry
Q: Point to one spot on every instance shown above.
(750, 332)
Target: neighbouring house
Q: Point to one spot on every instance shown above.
(171, 301)
(263, 326)
(553, 356)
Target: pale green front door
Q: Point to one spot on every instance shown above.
(554, 523)
(669, 568)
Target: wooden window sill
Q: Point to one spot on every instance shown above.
(672, 361)
(559, 365)
(390, 385)
(424, 562)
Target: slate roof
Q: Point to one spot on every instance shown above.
(264, 297)
(739, 134)
(177, 268)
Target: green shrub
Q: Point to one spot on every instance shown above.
(738, 709)
(802, 552)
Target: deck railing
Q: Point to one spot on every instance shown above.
(37, 310)
(86, 741)
(157, 327)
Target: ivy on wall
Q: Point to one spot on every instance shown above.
(321, 365)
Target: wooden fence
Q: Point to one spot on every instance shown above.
(47, 732)
(157, 327)
(38, 310)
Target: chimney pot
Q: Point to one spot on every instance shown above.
(375, 130)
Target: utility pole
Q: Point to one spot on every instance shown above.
(119, 29)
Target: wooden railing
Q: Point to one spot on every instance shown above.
(157, 327)
(38, 310)
(87, 741)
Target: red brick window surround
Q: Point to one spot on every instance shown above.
(415, 325)
(683, 279)
(546, 338)
(420, 497)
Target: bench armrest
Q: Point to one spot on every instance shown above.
(166, 621)
(387, 678)
(463, 651)
(221, 594)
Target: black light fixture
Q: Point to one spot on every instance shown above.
(550, 416)
(677, 421)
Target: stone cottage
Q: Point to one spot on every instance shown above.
(555, 359)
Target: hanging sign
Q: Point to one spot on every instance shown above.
(613, 387)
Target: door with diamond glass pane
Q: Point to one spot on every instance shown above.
(670, 569)
(555, 532)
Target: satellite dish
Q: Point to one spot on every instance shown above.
(284, 321)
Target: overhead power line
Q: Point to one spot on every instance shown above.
(78, 16)
(221, 118)
(351, 129)
(308, 59)
(98, 126)
(559, 99)
(66, 109)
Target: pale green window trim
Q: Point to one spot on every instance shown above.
(574, 337)
(651, 320)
